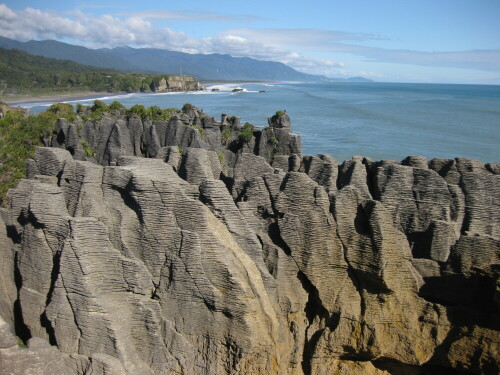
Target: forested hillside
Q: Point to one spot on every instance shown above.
(22, 73)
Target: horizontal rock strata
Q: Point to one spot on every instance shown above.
(180, 248)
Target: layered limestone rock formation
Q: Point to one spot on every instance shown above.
(174, 82)
(173, 250)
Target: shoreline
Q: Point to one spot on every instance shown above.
(56, 98)
(19, 100)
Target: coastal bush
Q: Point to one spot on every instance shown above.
(273, 140)
(226, 135)
(63, 110)
(80, 108)
(173, 111)
(245, 135)
(19, 135)
(157, 114)
(89, 151)
(248, 126)
(222, 158)
(280, 113)
(98, 109)
(138, 110)
(116, 107)
(95, 117)
(201, 131)
(187, 107)
(99, 105)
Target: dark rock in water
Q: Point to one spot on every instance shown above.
(180, 249)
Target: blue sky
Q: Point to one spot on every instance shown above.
(448, 41)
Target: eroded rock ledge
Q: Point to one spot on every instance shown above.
(180, 247)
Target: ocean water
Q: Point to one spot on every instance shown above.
(378, 120)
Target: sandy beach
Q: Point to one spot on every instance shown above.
(61, 97)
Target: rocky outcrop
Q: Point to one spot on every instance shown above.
(175, 253)
(4, 109)
(174, 82)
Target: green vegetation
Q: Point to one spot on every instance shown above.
(201, 131)
(99, 106)
(274, 140)
(20, 342)
(226, 135)
(153, 113)
(98, 109)
(18, 138)
(80, 108)
(22, 73)
(159, 114)
(280, 113)
(89, 151)
(248, 126)
(222, 158)
(137, 109)
(187, 107)
(245, 135)
(19, 135)
(63, 110)
(116, 107)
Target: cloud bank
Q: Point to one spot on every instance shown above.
(335, 41)
(137, 29)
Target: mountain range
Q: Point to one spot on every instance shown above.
(152, 60)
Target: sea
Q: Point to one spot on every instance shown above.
(382, 121)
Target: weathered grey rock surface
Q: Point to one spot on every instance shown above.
(170, 251)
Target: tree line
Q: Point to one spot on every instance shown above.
(22, 73)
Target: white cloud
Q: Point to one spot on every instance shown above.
(7, 13)
(138, 30)
(192, 15)
(335, 42)
(305, 39)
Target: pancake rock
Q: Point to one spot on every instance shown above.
(179, 247)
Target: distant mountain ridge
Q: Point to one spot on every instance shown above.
(64, 51)
(150, 60)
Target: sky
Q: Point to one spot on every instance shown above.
(431, 41)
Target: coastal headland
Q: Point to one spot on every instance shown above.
(151, 241)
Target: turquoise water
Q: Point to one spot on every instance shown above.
(378, 120)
